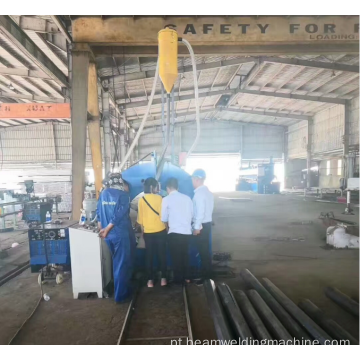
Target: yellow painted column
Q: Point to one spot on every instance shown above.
(94, 127)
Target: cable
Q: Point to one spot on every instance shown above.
(192, 55)
(138, 133)
(33, 312)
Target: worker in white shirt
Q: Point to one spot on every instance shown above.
(177, 212)
(203, 202)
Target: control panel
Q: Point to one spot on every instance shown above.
(48, 234)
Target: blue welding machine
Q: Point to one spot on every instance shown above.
(49, 245)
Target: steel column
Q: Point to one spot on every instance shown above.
(343, 300)
(308, 149)
(346, 130)
(94, 127)
(290, 324)
(314, 330)
(268, 317)
(253, 319)
(106, 129)
(79, 100)
(234, 314)
(329, 325)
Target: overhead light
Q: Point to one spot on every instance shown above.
(133, 130)
(10, 86)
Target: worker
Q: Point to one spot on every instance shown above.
(203, 202)
(113, 222)
(177, 212)
(153, 230)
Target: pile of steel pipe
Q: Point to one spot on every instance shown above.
(343, 300)
(263, 314)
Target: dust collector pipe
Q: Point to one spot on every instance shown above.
(137, 136)
(192, 55)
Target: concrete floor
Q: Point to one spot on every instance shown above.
(260, 236)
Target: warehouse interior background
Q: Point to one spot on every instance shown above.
(289, 101)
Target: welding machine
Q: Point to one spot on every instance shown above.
(49, 250)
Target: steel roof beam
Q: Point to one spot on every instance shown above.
(294, 96)
(153, 127)
(176, 98)
(24, 73)
(32, 97)
(62, 27)
(182, 69)
(20, 39)
(231, 50)
(313, 64)
(269, 113)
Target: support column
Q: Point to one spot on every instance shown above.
(309, 147)
(106, 128)
(123, 137)
(346, 159)
(80, 66)
(94, 127)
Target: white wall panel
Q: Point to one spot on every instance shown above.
(328, 129)
(354, 122)
(297, 140)
(261, 142)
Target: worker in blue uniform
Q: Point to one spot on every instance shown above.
(113, 222)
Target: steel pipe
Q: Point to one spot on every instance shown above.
(332, 327)
(251, 316)
(234, 314)
(314, 330)
(268, 317)
(343, 300)
(289, 323)
(221, 325)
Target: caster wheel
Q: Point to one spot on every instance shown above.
(40, 279)
(59, 279)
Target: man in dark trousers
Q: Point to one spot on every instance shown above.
(203, 202)
(177, 212)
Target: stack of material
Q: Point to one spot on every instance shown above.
(265, 315)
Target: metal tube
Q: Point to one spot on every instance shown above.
(314, 330)
(270, 320)
(220, 323)
(234, 314)
(332, 327)
(289, 323)
(343, 300)
(162, 156)
(251, 316)
(172, 127)
(163, 113)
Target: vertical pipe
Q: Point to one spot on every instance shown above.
(106, 128)
(163, 113)
(310, 129)
(172, 126)
(94, 127)
(123, 137)
(79, 98)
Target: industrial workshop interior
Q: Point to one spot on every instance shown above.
(178, 179)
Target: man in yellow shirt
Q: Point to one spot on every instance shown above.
(154, 230)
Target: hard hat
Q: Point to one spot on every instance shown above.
(199, 173)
